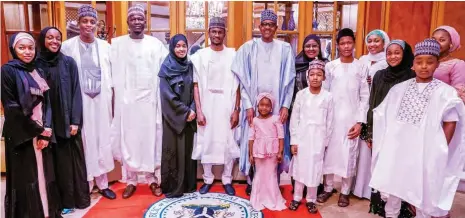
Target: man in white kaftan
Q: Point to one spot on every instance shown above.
(92, 56)
(136, 60)
(264, 65)
(217, 98)
(346, 80)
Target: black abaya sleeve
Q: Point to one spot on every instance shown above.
(76, 97)
(18, 127)
(175, 112)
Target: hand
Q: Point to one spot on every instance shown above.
(370, 145)
(354, 132)
(41, 144)
(280, 157)
(201, 120)
(234, 119)
(73, 129)
(251, 160)
(47, 132)
(283, 114)
(191, 116)
(369, 80)
(294, 149)
(250, 115)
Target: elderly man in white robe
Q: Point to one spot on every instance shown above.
(421, 125)
(136, 59)
(346, 79)
(217, 99)
(92, 58)
(264, 65)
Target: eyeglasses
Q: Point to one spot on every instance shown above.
(314, 46)
(271, 25)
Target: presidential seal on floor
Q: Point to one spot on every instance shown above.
(210, 205)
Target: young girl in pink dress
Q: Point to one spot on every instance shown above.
(266, 142)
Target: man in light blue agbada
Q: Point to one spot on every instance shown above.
(264, 65)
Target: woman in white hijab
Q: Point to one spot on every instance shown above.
(377, 42)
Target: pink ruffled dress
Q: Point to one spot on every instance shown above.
(265, 189)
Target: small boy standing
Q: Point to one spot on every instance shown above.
(310, 127)
(419, 140)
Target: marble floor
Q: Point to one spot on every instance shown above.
(357, 209)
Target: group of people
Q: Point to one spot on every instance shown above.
(385, 124)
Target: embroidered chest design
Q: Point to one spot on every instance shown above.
(414, 103)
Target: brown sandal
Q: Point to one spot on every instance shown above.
(343, 200)
(156, 190)
(322, 198)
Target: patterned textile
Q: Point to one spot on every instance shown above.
(87, 11)
(317, 64)
(268, 15)
(136, 9)
(413, 105)
(427, 47)
(216, 22)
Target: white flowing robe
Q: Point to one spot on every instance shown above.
(217, 85)
(137, 126)
(97, 112)
(411, 158)
(349, 88)
(311, 126)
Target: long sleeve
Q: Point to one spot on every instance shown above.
(364, 92)
(328, 77)
(252, 131)
(47, 111)
(295, 119)
(246, 102)
(290, 71)
(241, 68)
(279, 127)
(370, 106)
(457, 74)
(329, 121)
(76, 96)
(174, 110)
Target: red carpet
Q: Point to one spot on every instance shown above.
(143, 198)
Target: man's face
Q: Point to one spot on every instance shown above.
(268, 29)
(87, 25)
(216, 35)
(346, 46)
(136, 23)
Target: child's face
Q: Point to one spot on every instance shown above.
(425, 65)
(315, 78)
(264, 106)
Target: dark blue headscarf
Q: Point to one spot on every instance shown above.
(174, 66)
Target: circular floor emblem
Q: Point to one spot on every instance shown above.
(210, 205)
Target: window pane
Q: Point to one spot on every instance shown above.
(160, 15)
(349, 15)
(288, 14)
(37, 23)
(291, 39)
(164, 37)
(218, 9)
(196, 38)
(323, 16)
(326, 45)
(14, 16)
(195, 15)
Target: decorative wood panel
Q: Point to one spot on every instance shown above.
(373, 18)
(409, 21)
(453, 16)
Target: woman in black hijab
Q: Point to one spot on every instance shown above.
(399, 57)
(66, 102)
(31, 190)
(178, 170)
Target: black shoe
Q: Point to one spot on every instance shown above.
(248, 189)
(108, 193)
(205, 188)
(229, 189)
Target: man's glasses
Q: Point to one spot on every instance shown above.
(270, 25)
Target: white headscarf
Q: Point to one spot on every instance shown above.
(381, 55)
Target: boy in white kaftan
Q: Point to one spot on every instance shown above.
(137, 126)
(93, 61)
(411, 126)
(347, 83)
(217, 100)
(310, 127)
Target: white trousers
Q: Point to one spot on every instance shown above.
(101, 181)
(299, 191)
(226, 177)
(131, 177)
(393, 206)
(346, 184)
